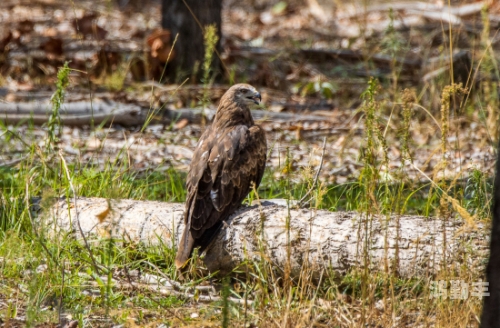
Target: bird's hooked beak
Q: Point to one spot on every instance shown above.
(256, 98)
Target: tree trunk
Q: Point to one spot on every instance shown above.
(317, 240)
(491, 303)
(177, 16)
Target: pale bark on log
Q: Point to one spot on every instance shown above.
(317, 239)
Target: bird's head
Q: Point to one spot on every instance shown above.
(235, 104)
(243, 94)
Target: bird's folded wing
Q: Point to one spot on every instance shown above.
(228, 162)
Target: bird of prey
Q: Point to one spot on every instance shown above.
(230, 157)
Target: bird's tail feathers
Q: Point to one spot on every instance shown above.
(185, 248)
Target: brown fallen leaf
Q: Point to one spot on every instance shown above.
(159, 42)
(102, 215)
(53, 47)
(181, 124)
(50, 31)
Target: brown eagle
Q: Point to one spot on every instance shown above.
(229, 158)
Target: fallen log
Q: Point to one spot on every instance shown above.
(316, 239)
(422, 7)
(78, 113)
(82, 113)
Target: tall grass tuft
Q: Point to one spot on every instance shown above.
(408, 98)
(54, 122)
(368, 182)
(210, 39)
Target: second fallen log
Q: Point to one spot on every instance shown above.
(316, 239)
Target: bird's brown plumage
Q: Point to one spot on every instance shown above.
(229, 157)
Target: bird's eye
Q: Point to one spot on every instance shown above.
(243, 90)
